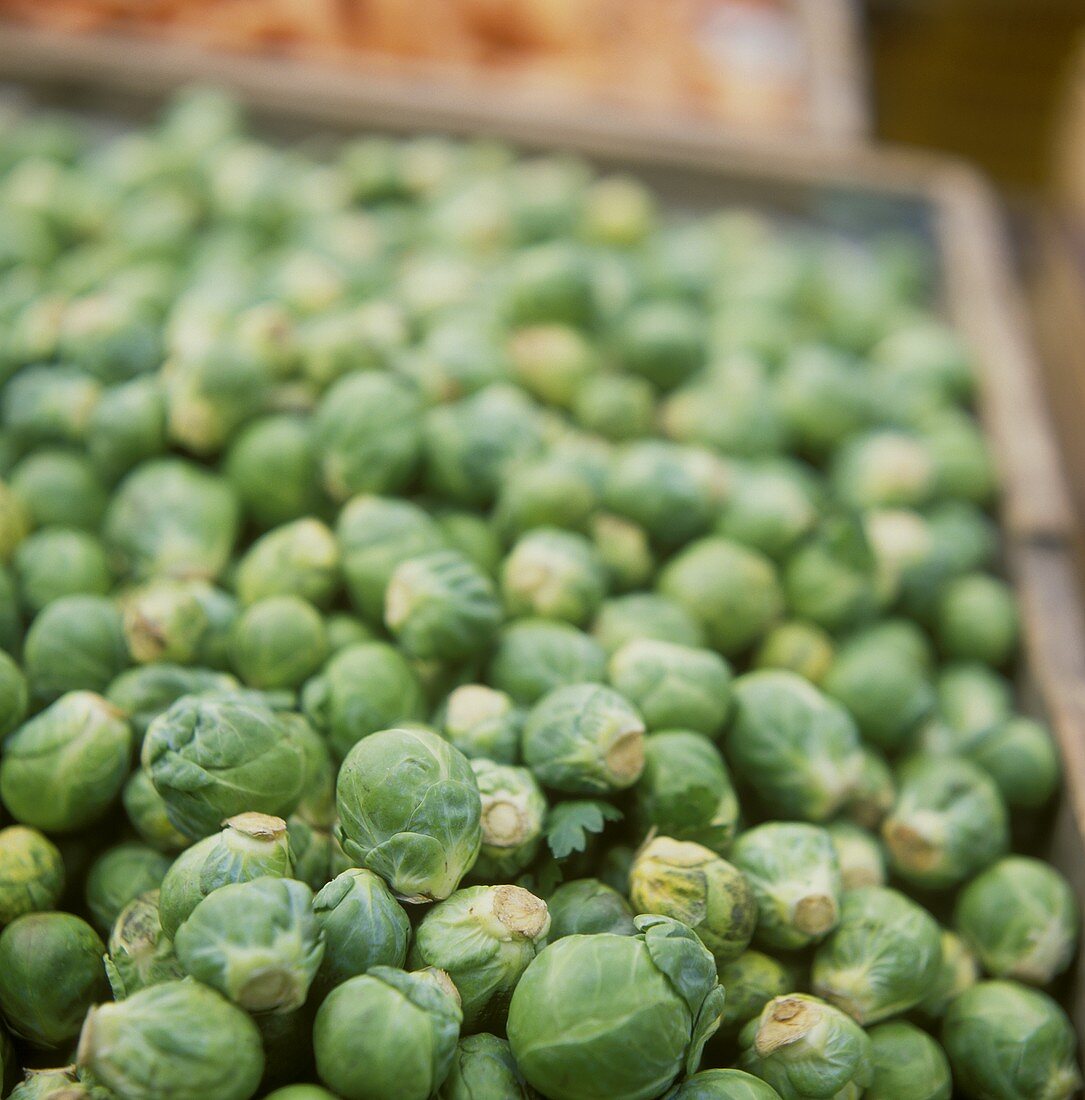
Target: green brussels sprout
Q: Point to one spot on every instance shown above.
(62, 770)
(908, 1064)
(1020, 756)
(513, 816)
(60, 561)
(177, 1038)
(882, 957)
(483, 937)
(793, 873)
(249, 846)
(972, 697)
(730, 590)
(300, 1092)
(362, 689)
(483, 1067)
(345, 630)
(140, 953)
(904, 550)
(977, 620)
(278, 642)
(822, 398)
(685, 791)
(368, 429)
(375, 535)
(146, 812)
(58, 1084)
(535, 656)
(600, 1016)
(797, 646)
(552, 283)
(171, 518)
(552, 361)
(690, 883)
(118, 876)
(673, 686)
(48, 404)
(858, 854)
(553, 574)
(958, 970)
(963, 465)
(587, 907)
(310, 851)
(127, 427)
(673, 492)
(472, 536)
(770, 508)
(482, 722)
(213, 756)
(663, 341)
(31, 873)
(14, 695)
(948, 822)
(145, 692)
(930, 354)
(441, 605)
(470, 444)
(256, 942)
(11, 627)
(624, 550)
(884, 469)
(386, 1034)
(584, 739)
(645, 615)
(300, 558)
(751, 980)
(75, 644)
(409, 810)
(272, 469)
(363, 926)
(165, 620)
(805, 1049)
(1009, 1042)
(618, 211)
(15, 521)
(50, 974)
(795, 747)
(887, 694)
(615, 406)
(1020, 917)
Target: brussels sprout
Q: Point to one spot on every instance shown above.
(473, 537)
(483, 937)
(299, 559)
(553, 574)
(795, 747)
(513, 815)
(618, 211)
(118, 876)
(797, 646)
(1010, 1042)
(552, 361)
(963, 465)
(51, 488)
(623, 549)
(345, 630)
(662, 341)
(363, 926)
(15, 522)
(482, 722)
(971, 697)
(769, 509)
(584, 739)
(50, 974)
(272, 469)
(409, 809)
(310, 851)
(362, 689)
(48, 404)
(874, 792)
(14, 697)
(821, 397)
(645, 615)
(11, 627)
(882, 958)
(58, 1084)
(858, 854)
(249, 846)
(977, 620)
(300, 1092)
(165, 620)
(908, 1065)
(1020, 756)
(256, 942)
(57, 562)
(177, 1037)
(127, 427)
(386, 1034)
(948, 822)
(751, 980)
(31, 873)
(211, 756)
(76, 644)
(614, 406)
(588, 907)
(140, 953)
(602, 1016)
(692, 884)
(551, 282)
(62, 770)
(673, 492)
(685, 791)
(805, 1048)
(278, 642)
(1021, 919)
(144, 693)
(884, 469)
(958, 970)
(483, 1067)
(793, 873)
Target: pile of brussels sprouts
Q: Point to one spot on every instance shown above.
(467, 634)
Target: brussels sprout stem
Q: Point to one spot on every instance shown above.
(790, 1021)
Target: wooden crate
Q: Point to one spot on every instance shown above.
(829, 100)
(843, 188)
